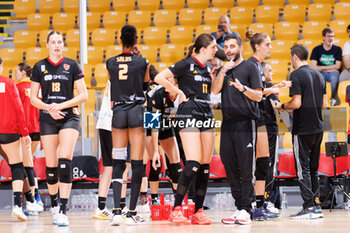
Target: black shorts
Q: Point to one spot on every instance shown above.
(130, 117)
(35, 136)
(54, 128)
(6, 138)
(260, 121)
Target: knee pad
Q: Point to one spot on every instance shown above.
(262, 166)
(31, 175)
(154, 174)
(51, 175)
(17, 171)
(120, 153)
(175, 170)
(191, 169)
(65, 170)
(118, 170)
(137, 170)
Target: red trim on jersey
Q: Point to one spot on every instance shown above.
(126, 52)
(170, 97)
(55, 64)
(256, 59)
(24, 80)
(198, 61)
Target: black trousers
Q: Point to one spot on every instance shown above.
(307, 155)
(271, 173)
(237, 149)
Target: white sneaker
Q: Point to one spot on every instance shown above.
(62, 220)
(143, 208)
(134, 220)
(40, 206)
(33, 207)
(54, 211)
(125, 211)
(117, 220)
(243, 218)
(231, 219)
(271, 207)
(18, 212)
(104, 214)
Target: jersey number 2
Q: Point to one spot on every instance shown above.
(56, 87)
(205, 88)
(123, 70)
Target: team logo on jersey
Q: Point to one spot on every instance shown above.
(230, 81)
(151, 120)
(48, 77)
(66, 66)
(43, 68)
(46, 72)
(195, 72)
(192, 67)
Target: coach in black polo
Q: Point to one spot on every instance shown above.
(309, 96)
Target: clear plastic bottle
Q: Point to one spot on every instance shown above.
(284, 202)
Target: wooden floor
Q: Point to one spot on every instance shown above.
(338, 221)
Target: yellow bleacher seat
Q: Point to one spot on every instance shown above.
(99, 5)
(71, 6)
(73, 38)
(94, 55)
(329, 92)
(324, 1)
(212, 15)
(241, 29)
(223, 3)
(162, 65)
(340, 42)
(279, 69)
(23, 8)
(198, 4)
(35, 54)
(281, 49)
(284, 95)
(93, 20)
(286, 30)
(341, 10)
(149, 52)
(114, 19)
(155, 35)
(298, 1)
(294, 13)
(25, 39)
(171, 53)
(63, 21)
(287, 141)
(102, 37)
(181, 35)
(49, 6)
(140, 19)
(310, 44)
(113, 50)
(324, 140)
(38, 22)
(313, 29)
(206, 29)
(250, 3)
(101, 76)
(90, 105)
(123, 5)
(164, 18)
(70, 52)
(247, 50)
(341, 136)
(262, 27)
(87, 76)
(339, 27)
(279, 3)
(267, 14)
(148, 5)
(43, 37)
(342, 92)
(319, 12)
(190, 17)
(173, 4)
(241, 15)
(6, 71)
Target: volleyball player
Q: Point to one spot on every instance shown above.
(128, 75)
(59, 119)
(194, 81)
(12, 124)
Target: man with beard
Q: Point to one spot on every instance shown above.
(241, 89)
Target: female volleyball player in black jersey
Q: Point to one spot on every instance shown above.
(128, 74)
(59, 119)
(194, 82)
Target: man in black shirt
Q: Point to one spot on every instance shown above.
(241, 89)
(309, 96)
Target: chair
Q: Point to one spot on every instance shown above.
(267, 14)
(23, 8)
(249, 3)
(284, 98)
(279, 3)
(281, 49)
(339, 27)
(241, 15)
(190, 17)
(310, 44)
(71, 6)
(286, 165)
(212, 15)
(286, 30)
(73, 38)
(95, 55)
(140, 19)
(114, 19)
(342, 92)
(6, 71)
(200, 29)
(123, 5)
(149, 52)
(171, 53)
(262, 27)
(38, 22)
(99, 5)
(11, 57)
(70, 52)
(103, 37)
(148, 5)
(313, 29)
(162, 65)
(247, 50)
(340, 42)
(63, 21)
(298, 2)
(25, 39)
(87, 75)
(294, 13)
(113, 50)
(93, 20)
(181, 35)
(217, 169)
(101, 75)
(341, 10)
(324, 1)
(326, 165)
(279, 69)
(49, 6)
(223, 3)
(39, 165)
(155, 35)
(173, 4)
(241, 29)
(5, 171)
(164, 18)
(35, 54)
(198, 4)
(319, 12)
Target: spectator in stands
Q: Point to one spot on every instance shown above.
(215, 99)
(326, 58)
(345, 75)
(219, 35)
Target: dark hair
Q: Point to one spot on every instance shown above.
(0, 61)
(264, 64)
(26, 67)
(202, 41)
(301, 51)
(235, 37)
(256, 38)
(348, 28)
(327, 30)
(52, 33)
(128, 36)
(152, 72)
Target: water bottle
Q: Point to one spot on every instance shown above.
(284, 202)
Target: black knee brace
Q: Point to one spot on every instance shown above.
(175, 170)
(17, 171)
(65, 171)
(154, 174)
(190, 171)
(118, 169)
(262, 166)
(137, 171)
(51, 175)
(31, 175)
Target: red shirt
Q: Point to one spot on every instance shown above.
(32, 113)
(12, 118)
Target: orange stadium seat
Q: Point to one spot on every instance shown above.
(87, 75)
(6, 71)
(241, 15)
(319, 12)
(149, 52)
(103, 37)
(11, 56)
(162, 65)
(249, 3)
(71, 6)
(35, 54)
(155, 35)
(294, 13)
(247, 50)
(198, 4)
(279, 3)
(281, 49)
(123, 5)
(341, 10)
(173, 4)
(25, 39)
(286, 30)
(114, 19)
(148, 5)
(70, 52)
(164, 18)
(190, 17)
(262, 27)
(23, 8)
(94, 55)
(140, 19)
(342, 91)
(101, 75)
(298, 1)
(240, 29)
(43, 37)
(99, 5)
(279, 69)
(313, 29)
(38, 22)
(223, 3)
(73, 38)
(267, 14)
(324, 1)
(212, 15)
(205, 29)
(310, 44)
(49, 6)
(93, 20)
(181, 35)
(171, 53)
(113, 50)
(340, 41)
(63, 21)
(339, 27)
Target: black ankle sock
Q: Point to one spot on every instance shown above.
(54, 200)
(259, 201)
(101, 202)
(29, 196)
(143, 194)
(17, 196)
(154, 196)
(122, 203)
(63, 205)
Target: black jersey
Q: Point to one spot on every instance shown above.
(162, 101)
(151, 86)
(270, 117)
(127, 73)
(57, 84)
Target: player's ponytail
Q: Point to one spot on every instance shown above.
(24, 66)
(190, 50)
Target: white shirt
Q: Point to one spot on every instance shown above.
(346, 49)
(105, 116)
